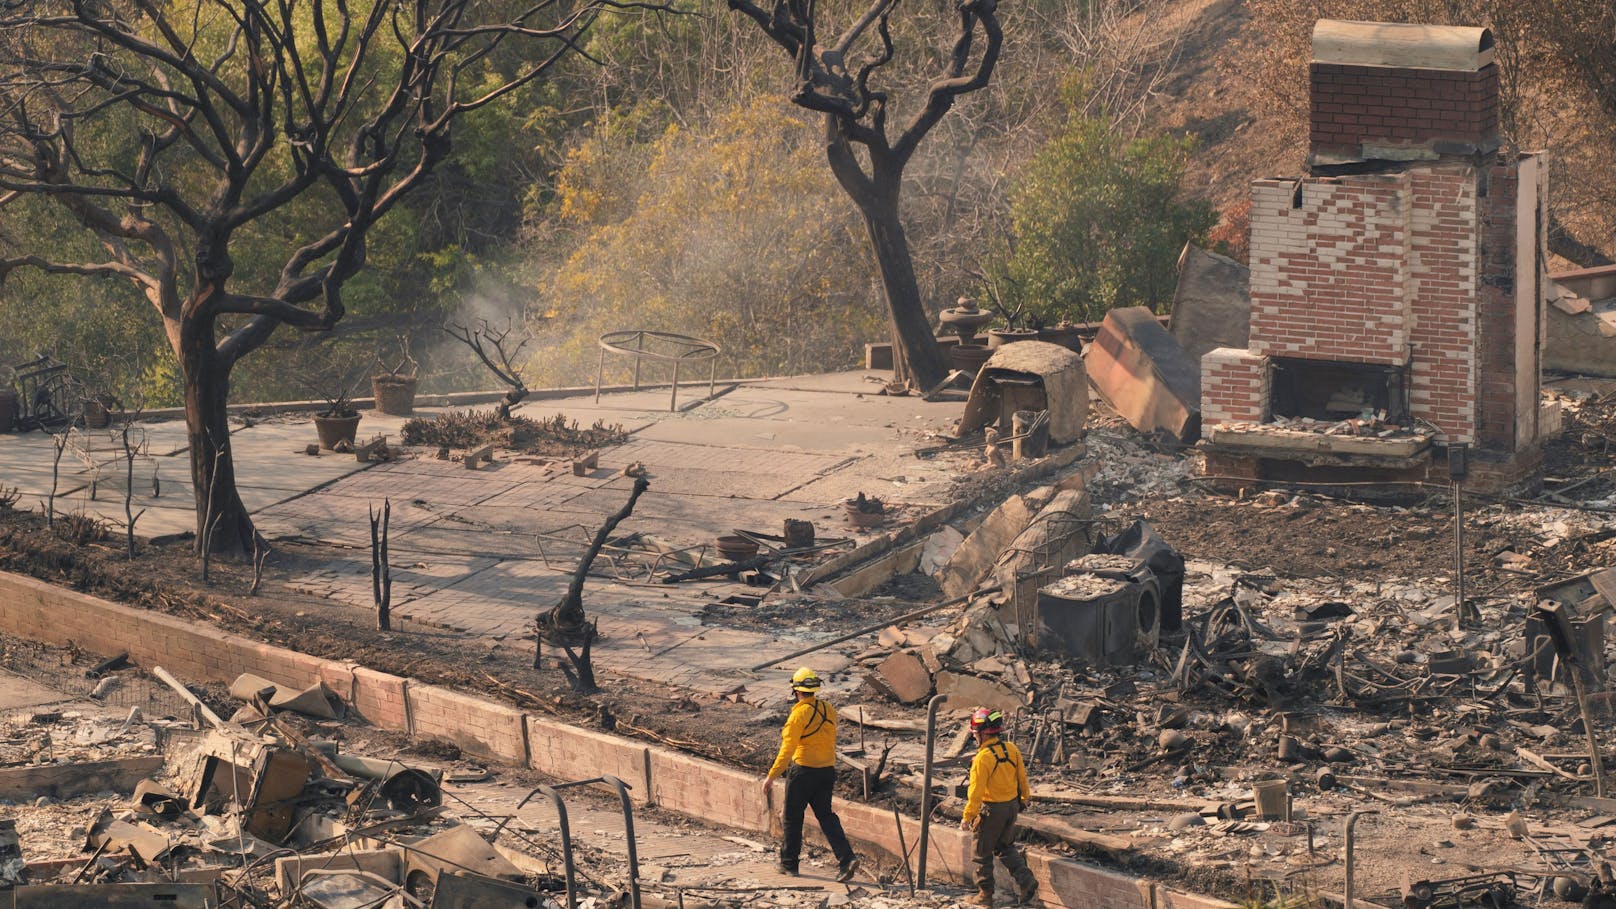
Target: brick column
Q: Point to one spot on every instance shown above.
(1234, 387)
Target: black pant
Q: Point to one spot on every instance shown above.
(812, 787)
(996, 835)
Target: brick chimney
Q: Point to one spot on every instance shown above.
(1385, 92)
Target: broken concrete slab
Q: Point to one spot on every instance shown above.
(458, 848)
(109, 834)
(1576, 338)
(1142, 372)
(967, 691)
(903, 677)
(65, 781)
(1212, 304)
(978, 552)
(872, 574)
(939, 548)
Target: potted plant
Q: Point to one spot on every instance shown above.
(338, 423)
(1019, 325)
(394, 389)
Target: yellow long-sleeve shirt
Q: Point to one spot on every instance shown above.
(997, 775)
(808, 737)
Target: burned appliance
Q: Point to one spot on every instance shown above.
(1106, 611)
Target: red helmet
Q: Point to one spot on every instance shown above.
(988, 721)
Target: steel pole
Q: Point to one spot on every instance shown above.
(628, 833)
(1460, 612)
(1352, 821)
(566, 838)
(925, 790)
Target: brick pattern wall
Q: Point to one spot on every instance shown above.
(1497, 401)
(1442, 288)
(1329, 277)
(1234, 387)
(1400, 107)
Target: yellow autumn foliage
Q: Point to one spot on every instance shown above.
(736, 233)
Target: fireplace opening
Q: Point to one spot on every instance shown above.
(1333, 390)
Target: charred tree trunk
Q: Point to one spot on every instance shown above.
(223, 525)
(877, 196)
(567, 625)
(910, 324)
(381, 571)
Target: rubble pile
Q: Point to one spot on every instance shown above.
(1368, 423)
(259, 811)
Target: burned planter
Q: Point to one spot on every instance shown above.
(1029, 375)
(1106, 611)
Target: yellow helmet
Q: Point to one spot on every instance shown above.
(805, 679)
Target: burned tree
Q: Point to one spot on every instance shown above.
(567, 625)
(172, 138)
(830, 82)
(499, 349)
(381, 570)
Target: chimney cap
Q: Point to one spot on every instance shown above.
(1415, 46)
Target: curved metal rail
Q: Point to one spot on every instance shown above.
(660, 346)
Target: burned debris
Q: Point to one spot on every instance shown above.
(264, 811)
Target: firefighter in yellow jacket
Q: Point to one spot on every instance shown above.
(808, 746)
(997, 792)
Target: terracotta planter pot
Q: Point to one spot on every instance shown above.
(395, 395)
(736, 549)
(864, 520)
(333, 430)
(998, 337)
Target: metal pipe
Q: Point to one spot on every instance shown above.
(876, 627)
(566, 835)
(600, 373)
(628, 834)
(908, 869)
(1460, 612)
(673, 400)
(1352, 820)
(925, 789)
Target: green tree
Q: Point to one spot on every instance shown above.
(172, 137)
(1097, 222)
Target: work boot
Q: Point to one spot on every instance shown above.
(1026, 890)
(984, 898)
(848, 869)
(783, 868)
